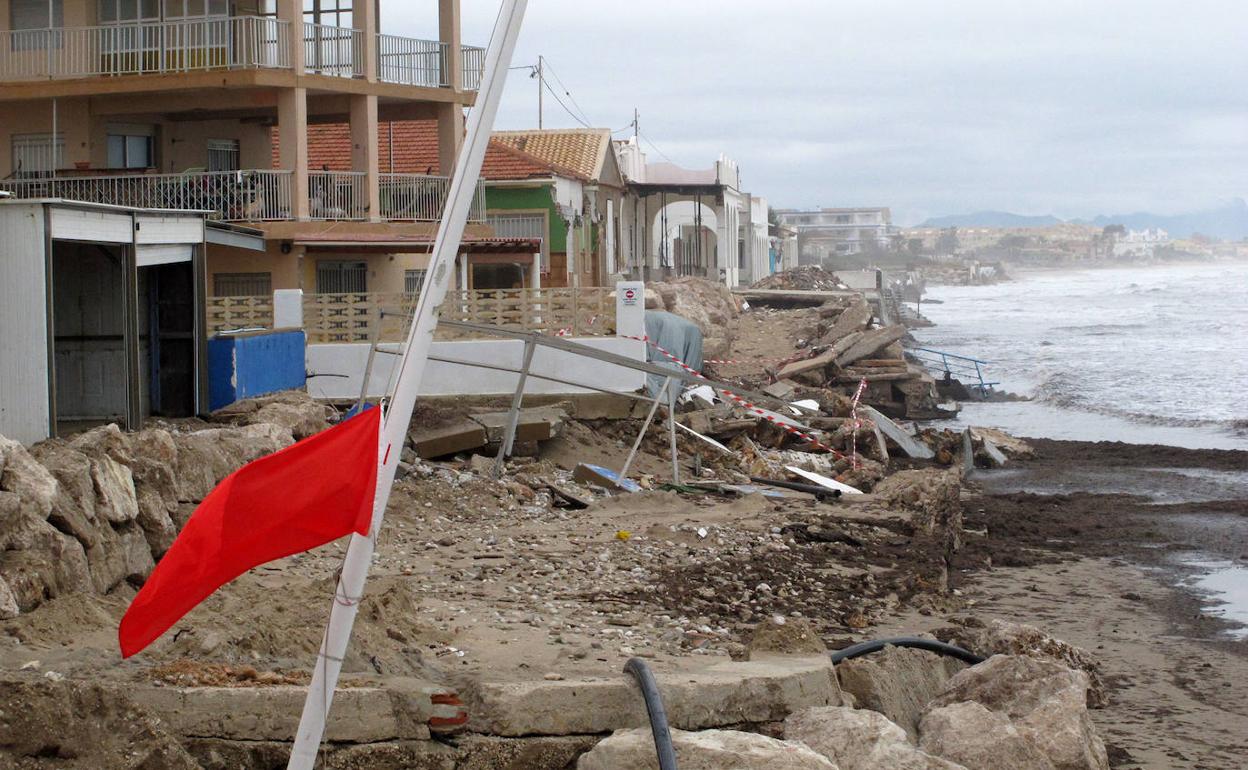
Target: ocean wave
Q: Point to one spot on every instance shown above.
(1067, 390)
(1100, 330)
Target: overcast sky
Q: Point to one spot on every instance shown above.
(932, 107)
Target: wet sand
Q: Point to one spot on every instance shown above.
(1093, 543)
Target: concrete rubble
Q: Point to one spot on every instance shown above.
(501, 610)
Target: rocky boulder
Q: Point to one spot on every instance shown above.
(706, 750)
(785, 636)
(207, 456)
(302, 418)
(897, 682)
(1001, 637)
(933, 495)
(979, 739)
(860, 739)
(1043, 700)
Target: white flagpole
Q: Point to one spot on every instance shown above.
(398, 415)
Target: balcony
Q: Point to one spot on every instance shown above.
(231, 43)
(256, 195)
(242, 42)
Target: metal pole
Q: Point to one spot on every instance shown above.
(513, 417)
(460, 197)
(671, 429)
(654, 407)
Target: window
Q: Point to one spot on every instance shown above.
(242, 284)
(223, 155)
(37, 155)
(331, 13)
(131, 147)
(27, 16)
(413, 281)
(338, 277)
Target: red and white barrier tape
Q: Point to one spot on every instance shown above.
(856, 423)
(741, 401)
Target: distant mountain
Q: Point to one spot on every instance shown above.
(1229, 222)
(991, 219)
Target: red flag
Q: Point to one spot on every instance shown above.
(306, 495)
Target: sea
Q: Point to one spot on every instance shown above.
(1147, 355)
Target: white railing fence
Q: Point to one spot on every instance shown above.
(411, 62)
(333, 51)
(421, 198)
(243, 42)
(474, 67)
(337, 195)
(231, 196)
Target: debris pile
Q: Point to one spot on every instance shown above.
(709, 305)
(804, 278)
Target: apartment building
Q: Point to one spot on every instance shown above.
(205, 105)
(838, 232)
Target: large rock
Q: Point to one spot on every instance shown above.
(207, 456)
(706, 750)
(854, 318)
(860, 739)
(898, 682)
(979, 739)
(9, 608)
(785, 636)
(155, 457)
(708, 304)
(933, 494)
(301, 418)
(1001, 637)
(37, 562)
(1045, 700)
(115, 499)
(24, 476)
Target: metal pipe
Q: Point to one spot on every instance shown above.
(654, 407)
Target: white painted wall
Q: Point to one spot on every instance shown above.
(445, 379)
(24, 410)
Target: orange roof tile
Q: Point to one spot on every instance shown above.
(579, 150)
(415, 151)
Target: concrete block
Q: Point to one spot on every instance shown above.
(359, 715)
(909, 444)
(535, 424)
(458, 436)
(722, 694)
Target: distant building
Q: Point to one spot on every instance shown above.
(840, 232)
(1141, 243)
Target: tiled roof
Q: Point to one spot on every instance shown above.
(415, 151)
(579, 150)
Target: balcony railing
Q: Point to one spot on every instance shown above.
(243, 42)
(337, 195)
(334, 51)
(410, 62)
(474, 67)
(231, 196)
(421, 198)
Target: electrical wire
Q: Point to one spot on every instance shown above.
(567, 92)
(654, 146)
(555, 94)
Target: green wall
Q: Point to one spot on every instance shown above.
(531, 198)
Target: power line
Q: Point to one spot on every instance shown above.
(568, 92)
(654, 146)
(575, 117)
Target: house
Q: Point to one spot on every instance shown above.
(565, 186)
(102, 312)
(838, 232)
(203, 105)
(697, 222)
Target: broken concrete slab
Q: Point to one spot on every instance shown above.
(854, 318)
(907, 443)
(968, 452)
(995, 456)
(707, 750)
(783, 390)
(870, 343)
(360, 715)
(722, 694)
(540, 423)
(448, 439)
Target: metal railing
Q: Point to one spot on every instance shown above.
(242, 42)
(337, 195)
(474, 67)
(967, 370)
(334, 51)
(411, 62)
(231, 196)
(421, 198)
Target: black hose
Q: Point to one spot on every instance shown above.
(654, 707)
(931, 645)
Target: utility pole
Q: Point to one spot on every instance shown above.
(637, 124)
(541, 86)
